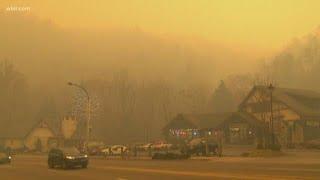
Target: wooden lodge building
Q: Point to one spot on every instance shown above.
(237, 127)
(296, 113)
(296, 119)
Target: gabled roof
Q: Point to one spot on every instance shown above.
(180, 122)
(243, 117)
(45, 124)
(304, 102)
(212, 120)
(201, 121)
(21, 130)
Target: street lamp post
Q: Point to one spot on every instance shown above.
(88, 111)
(271, 88)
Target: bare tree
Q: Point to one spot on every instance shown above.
(14, 104)
(124, 93)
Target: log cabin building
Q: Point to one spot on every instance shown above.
(296, 114)
(236, 127)
(241, 128)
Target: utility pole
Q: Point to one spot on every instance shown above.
(271, 88)
(88, 121)
(88, 112)
(207, 147)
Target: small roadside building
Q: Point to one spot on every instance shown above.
(295, 114)
(40, 137)
(69, 126)
(34, 137)
(72, 132)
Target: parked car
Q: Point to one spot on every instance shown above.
(115, 150)
(5, 158)
(198, 146)
(145, 147)
(67, 158)
(161, 146)
(105, 150)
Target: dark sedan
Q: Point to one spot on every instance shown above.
(67, 158)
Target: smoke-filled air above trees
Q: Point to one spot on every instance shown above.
(138, 80)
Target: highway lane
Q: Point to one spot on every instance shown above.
(35, 167)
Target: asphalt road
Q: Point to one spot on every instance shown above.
(35, 167)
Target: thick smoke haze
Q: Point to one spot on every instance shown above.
(159, 89)
(36, 46)
(139, 77)
(49, 56)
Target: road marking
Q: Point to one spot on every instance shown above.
(290, 169)
(198, 174)
(256, 168)
(120, 178)
(5, 166)
(243, 175)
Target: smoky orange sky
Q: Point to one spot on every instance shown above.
(185, 46)
(257, 25)
(173, 39)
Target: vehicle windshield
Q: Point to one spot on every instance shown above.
(71, 151)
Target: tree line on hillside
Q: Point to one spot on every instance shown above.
(296, 66)
(129, 110)
(123, 109)
(14, 97)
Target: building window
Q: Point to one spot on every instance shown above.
(312, 123)
(184, 133)
(235, 129)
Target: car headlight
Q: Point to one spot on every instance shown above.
(85, 156)
(70, 157)
(9, 157)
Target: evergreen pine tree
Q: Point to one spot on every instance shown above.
(222, 100)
